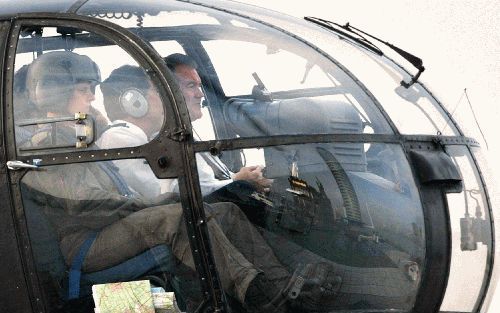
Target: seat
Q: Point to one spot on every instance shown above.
(53, 273)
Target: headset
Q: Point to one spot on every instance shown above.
(127, 88)
(133, 102)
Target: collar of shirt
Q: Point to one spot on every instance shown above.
(122, 134)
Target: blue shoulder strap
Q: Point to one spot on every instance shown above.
(75, 271)
(112, 171)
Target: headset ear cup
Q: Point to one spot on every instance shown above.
(134, 103)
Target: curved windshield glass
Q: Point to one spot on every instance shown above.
(250, 79)
(359, 220)
(471, 236)
(380, 75)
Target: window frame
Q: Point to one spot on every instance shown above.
(173, 144)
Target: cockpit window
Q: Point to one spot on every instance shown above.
(359, 214)
(471, 240)
(379, 74)
(75, 90)
(73, 87)
(284, 216)
(269, 62)
(258, 78)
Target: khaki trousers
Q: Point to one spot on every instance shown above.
(239, 250)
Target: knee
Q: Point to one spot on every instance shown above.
(165, 214)
(226, 213)
(222, 208)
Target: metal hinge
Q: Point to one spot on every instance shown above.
(179, 134)
(438, 142)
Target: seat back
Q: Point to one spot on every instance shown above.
(53, 271)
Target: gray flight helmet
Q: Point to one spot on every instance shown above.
(52, 76)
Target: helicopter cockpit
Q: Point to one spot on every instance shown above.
(352, 170)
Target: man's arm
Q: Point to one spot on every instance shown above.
(82, 190)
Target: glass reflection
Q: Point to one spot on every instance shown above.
(359, 215)
(470, 235)
(279, 73)
(87, 226)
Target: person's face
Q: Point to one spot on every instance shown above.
(82, 97)
(190, 84)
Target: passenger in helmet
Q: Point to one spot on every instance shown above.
(59, 83)
(62, 83)
(56, 84)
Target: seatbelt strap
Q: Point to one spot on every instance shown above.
(112, 171)
(114, 125)
(75, 271)
(221, 172)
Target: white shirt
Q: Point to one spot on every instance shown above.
(139, 175)
(208, 182)
(136, 172)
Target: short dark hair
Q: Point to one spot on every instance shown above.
(121, 79)
(177, 59)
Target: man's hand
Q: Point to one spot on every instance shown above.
(253, 174)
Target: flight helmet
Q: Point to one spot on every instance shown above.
(52, 77)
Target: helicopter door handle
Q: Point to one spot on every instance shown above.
(16, 165)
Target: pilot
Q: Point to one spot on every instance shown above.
(85, 206)
(215, 188)
(212, 172)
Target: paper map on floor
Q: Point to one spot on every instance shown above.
(123, 297)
